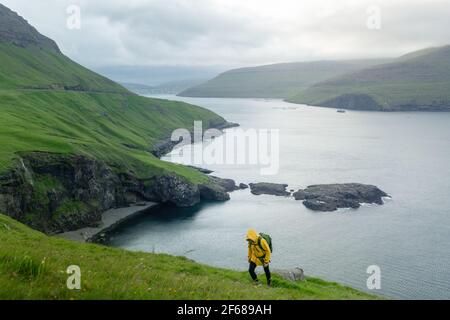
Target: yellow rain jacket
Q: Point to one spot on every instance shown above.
(258, 250)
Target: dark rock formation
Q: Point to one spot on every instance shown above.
(172, 189)
(330, 197)
(227, 184)
(56, 193)
(218, 189)
(213, 192)
(164, 147)
(269, 188)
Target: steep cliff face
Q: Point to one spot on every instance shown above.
(55, 193)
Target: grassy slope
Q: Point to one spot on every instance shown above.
(32, 266)
(274, 81)
(98, 122)
(420, 78)
(35, 67)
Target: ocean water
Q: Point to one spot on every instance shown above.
(405, 154)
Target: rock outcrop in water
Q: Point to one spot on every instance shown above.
(330, 197)
(228, 185)
(275, 189)
(56, 193)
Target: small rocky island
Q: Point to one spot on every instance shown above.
(325, 197)
(330, 197)
(274, 189)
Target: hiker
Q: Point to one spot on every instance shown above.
(258, 254)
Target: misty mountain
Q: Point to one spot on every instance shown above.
(171, 87)
(417, 81)
(274, 81)
(157, 75)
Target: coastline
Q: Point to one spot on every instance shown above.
(166, 146)
(113, 218)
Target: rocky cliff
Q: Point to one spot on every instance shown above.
(56, 192)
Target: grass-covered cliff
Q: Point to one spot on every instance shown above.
(33, 266)
(50, 103)
(418, 81)
(74, 143)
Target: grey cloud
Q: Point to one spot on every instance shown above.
(233, 33)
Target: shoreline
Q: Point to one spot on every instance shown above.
(115, 218)
(167, 145)
(111, 220)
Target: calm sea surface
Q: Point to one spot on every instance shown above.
(405, 154)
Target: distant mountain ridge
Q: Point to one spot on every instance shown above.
(418, 81)
(171, 87)
(157, 75)
(280, 80)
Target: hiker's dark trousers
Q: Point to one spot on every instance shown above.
(251, 270)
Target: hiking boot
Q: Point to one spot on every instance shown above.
(269, 283)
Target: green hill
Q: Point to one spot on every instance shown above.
(30, 60)
(33, 266)
(419, 81)
(274, 81)
(35, 67)
(70, 137)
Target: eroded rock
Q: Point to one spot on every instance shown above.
(213, 192)
(228, 184)
(330, 197)
(275, 189)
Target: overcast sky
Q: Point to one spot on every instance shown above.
(236, 32)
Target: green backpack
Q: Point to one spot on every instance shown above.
(267, 238)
